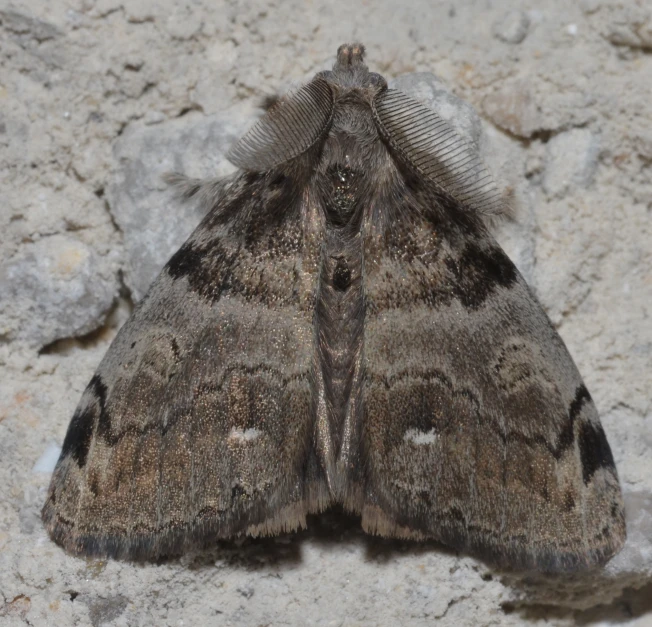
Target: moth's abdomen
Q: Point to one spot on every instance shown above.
(339, 319)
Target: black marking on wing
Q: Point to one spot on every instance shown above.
(594, 450)
(104, 419)
(258, 227)
(478, 271)
(78, 436)
(582, 396)
(213, 270)
(209, 270)
(187, 261)
(592, 442)
(459, 262)
(80, 431)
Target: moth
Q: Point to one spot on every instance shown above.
(341, 329)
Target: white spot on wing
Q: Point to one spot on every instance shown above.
(420, 437)
(244, 435)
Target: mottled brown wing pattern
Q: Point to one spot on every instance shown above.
(478, 429)
(341, 328)
(197, 424)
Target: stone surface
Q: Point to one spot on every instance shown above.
(528, 106)
(624, 23)
(97, 99)
(571, 161)
(512, 27)
(55, 288)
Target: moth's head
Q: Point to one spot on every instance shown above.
(350, 72)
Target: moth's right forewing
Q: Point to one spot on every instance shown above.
(478, 428)
(198, 422)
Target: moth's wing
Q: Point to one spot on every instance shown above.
(198, 423)
(478, 429)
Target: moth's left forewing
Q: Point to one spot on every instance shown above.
(478, 428)
(198, 422)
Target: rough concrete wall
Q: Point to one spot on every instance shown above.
(97, 99)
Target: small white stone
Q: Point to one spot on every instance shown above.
(153, 117)
(512, 27)
(183, 25)
(48, 460)
(514, 106)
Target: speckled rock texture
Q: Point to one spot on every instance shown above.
(99, 98)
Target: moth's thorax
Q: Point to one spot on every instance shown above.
(350, 151)
(340, 202)
(352, 115)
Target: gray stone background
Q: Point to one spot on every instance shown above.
(98, 98)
